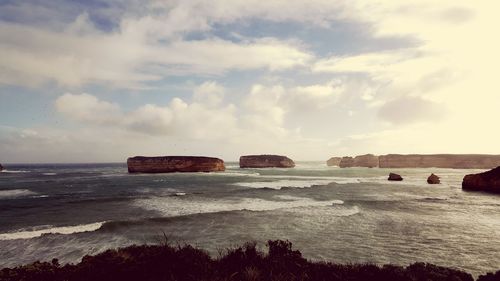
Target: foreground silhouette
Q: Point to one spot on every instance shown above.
(168, 262)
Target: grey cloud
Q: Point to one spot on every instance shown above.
(406, 110)
(457, 15)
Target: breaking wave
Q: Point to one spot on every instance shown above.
(16, 193)
(27, 234)
(177, 206)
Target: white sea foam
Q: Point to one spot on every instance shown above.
(27, 234)
(284, 183)
(233, 173)
(15, 193)
(14, 171)
(345, 212)
(177, 206)
(49, 174)
(297, 181)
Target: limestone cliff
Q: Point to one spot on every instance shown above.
(488, 181)
(171, 164)
(334, 161)
(456, 161)
(346, 162)
(266, 161)
(367, 160)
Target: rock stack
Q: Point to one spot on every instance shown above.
(334, 161)
(488, 181)
(394, 177)
(433, 179)
(171, 164)
(266, 161)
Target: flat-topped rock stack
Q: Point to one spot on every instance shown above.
(1, 167)
(172, 164)
(266, 161)
(454, 161)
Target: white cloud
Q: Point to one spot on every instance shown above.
(178, 118)
(278, 100)
(258, 124)
(209, 93)
(406, 109)
(139, 51)
(87, 107)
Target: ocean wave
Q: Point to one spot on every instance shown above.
(231, 173)
(28, 234)
(14, 171)
(283, 183)
(433, 199)
(177, 206)
(15, 193)
(346, 212)
(49, 174)
(297, 182)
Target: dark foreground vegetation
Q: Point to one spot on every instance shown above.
(167, 262)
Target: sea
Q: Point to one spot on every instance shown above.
(343, 215)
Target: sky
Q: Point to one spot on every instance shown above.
(99, 81)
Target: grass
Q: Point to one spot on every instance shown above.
(245, 263)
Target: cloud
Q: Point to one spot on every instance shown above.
(87, 107)
(141, 48)
(457, 15)
(296, 99)
(178, 118)
(209, 93)
(411, 109)
(261, 117)
(81, 54)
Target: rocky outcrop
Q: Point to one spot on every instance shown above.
(394, 177)
(346, 162)
(456, 161)
(334, 161)
(488, 181)
(171, 164)
(266, 161)
(1, 167)
(367, 160)
(433, 179)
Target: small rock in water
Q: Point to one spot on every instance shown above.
(394, 177)
(433, 179)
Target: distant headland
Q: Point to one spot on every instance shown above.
(454, 161)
